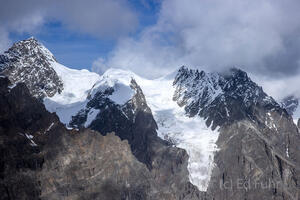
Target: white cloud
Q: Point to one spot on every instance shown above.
(108, 18)
(99, 66)
(279, 88)
(214, 34)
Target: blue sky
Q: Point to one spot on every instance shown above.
(79, 50)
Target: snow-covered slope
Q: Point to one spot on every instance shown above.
(81, 86)
(174, 125)
(119, 80)
(77, 83)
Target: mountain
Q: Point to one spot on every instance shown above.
(219, 98)
(256, 135)
(199, 135)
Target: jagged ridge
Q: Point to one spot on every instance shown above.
(29, 61)
(219, 98)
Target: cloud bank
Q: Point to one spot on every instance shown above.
(257, 36)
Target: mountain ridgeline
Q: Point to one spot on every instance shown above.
(219, 98)
(74, 134)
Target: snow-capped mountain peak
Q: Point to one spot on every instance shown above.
(196, 85)
(218, 97)
(32, 48)
(86, 93)
(120, 81)
(290, 104)
(29, 61)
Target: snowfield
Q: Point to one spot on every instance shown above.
(77, 85)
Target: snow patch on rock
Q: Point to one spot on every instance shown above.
(91, 116)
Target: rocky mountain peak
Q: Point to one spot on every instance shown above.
(30, 62)
(218, 97)
(30, 47)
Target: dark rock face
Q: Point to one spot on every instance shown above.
(256, 163)
(290, 104)
(22, 118)
(40, 159)
(92, 166)
(132, 121)
(29, 62)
